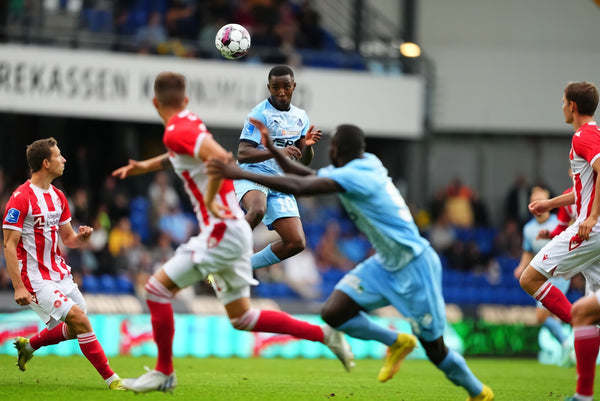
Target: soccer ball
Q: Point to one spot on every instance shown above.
(232, 41)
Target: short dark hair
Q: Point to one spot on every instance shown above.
(350, 141)
(169, 89)
(280, 70)
(585, 96)
(39, 151)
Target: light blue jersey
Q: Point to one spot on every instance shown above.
(405, 271)
(533, 245)
(285, 127)
(531, 230)
(378, 210)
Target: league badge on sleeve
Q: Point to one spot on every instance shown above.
(12, 216)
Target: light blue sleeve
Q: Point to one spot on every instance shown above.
(306, 126)
(249, 132)
(527, 245)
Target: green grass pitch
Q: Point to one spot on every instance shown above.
(51, 378)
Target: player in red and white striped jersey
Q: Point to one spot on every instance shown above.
(35, 216)
(222, 249)
(577, 249)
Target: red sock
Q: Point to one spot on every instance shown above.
(163, 328)
(49, 337)
(555, 301)
(91, 348)
(587, 343)
(270, 321)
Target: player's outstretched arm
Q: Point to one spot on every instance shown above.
(288, 183)
(135, 167)
(280, 155)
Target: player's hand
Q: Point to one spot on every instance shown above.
(219, 211)
(134, 167)
(292, 152)
(22, 296)
(84, 234)
(585, 228)
(518, 271)
(223, 169)
(313, 136)
(538, 207)
(264, 133)
(544, 234)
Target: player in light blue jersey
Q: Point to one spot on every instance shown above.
(289, 130)
(405, 271)
(533, 241)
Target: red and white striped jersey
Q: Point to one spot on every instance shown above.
(183, 137)
(37, 214)
(585, 150)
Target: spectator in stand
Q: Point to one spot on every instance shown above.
(150, 36)
(517, 201)
(162, 195)
(458, 204)
(327, 252)
(120, 240)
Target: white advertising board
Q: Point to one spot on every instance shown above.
(78, 83)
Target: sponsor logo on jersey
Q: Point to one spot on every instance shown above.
(249, 129)
(545, 257)
(299, 123)
(12, 216)
(39, 221)
(57, 304)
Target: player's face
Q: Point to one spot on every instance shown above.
(281, 90)
(567, 111)
(57, 162)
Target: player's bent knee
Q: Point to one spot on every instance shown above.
(77, 321)
(247, 321)
(157, 292)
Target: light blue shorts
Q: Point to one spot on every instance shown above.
(414, 290)
(279, 205)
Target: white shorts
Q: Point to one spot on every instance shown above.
(223, 252)
(55, 299)
(565, 256)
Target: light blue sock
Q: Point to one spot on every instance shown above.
(456, 370)
(360, 326)
(555, 327)
(264, 258)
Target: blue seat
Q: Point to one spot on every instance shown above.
(124, 285)
(108, 284)
(90, 284)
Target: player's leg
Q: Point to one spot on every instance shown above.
(283, 216)
(79, 325)
(539, 286)
(455, 368)
(254, 203)
(421, 301)
(244, 317)
(160, 290)
(292, 237)
(586, 315)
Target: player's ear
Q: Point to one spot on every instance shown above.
(155, 102)
(186, 101)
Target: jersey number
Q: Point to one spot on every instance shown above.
(403, 211)
(286, 204)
